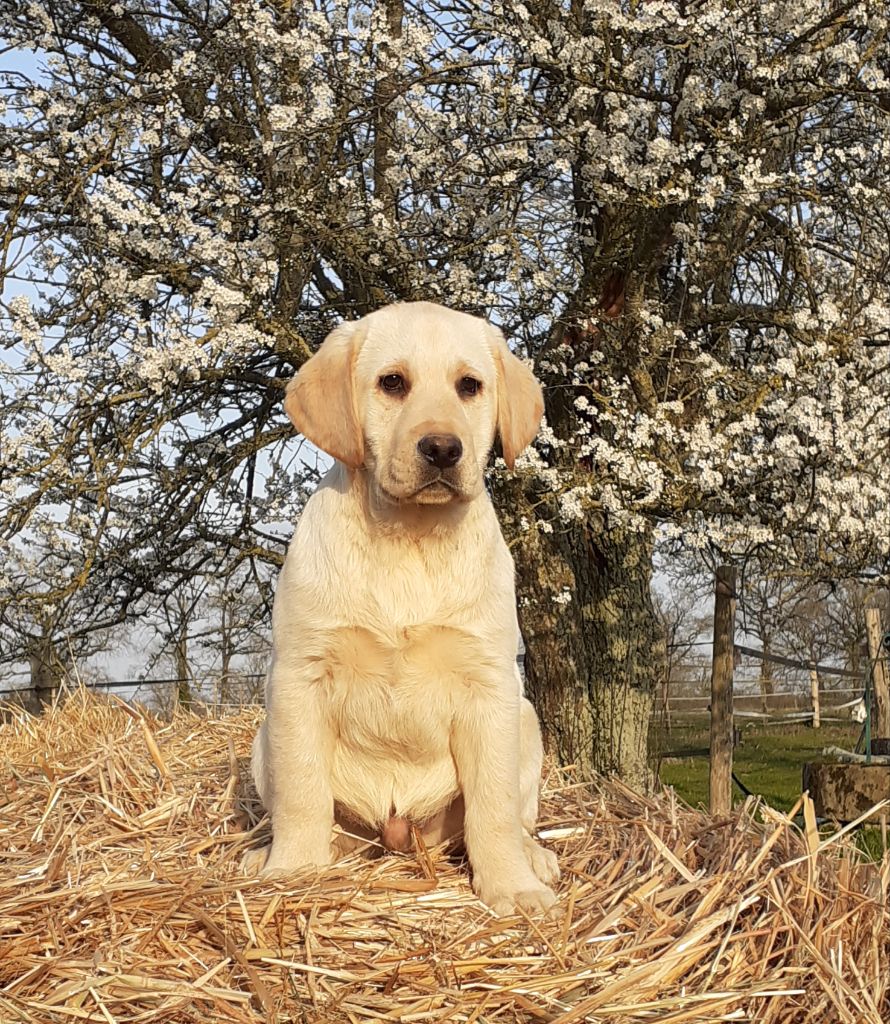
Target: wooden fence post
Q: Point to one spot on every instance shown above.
(666, 703)
(879, 673)
(722, 664)
(814, 693)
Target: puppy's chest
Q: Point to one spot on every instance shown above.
(392, 596)
(398, 688)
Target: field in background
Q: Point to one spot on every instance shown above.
(768, 761)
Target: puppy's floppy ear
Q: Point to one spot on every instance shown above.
(321, 400)
(520, 400)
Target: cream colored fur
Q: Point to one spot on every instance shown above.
(393, 691)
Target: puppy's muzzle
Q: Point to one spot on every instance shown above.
(441, 450)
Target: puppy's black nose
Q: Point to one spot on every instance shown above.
(441, 450)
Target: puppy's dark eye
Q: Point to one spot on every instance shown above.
(393, 384)
(468, 386)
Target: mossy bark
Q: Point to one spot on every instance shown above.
(46, 678)
(593, 646)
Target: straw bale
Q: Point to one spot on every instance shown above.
(121, 901)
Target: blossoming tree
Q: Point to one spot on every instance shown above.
(678, 210)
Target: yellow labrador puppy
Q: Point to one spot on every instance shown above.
(393, 697)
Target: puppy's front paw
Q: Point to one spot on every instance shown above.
(288, 856)
(534, 899)
(541, 860)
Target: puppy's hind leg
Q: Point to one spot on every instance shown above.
(253, 862)
(531, 760)
(258, 759)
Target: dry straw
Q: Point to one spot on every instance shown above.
(121, 900)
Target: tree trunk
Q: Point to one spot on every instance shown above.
(226, 650)
(46, 678)
(385, 92)
(593, 646)
(181, 660)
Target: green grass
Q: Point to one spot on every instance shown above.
(769, 760)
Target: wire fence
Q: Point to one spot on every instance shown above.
(678, 705)
(207, 692)
(772, 693)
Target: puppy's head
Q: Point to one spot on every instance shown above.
(415, 393)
